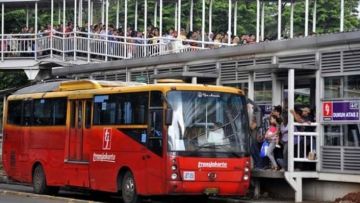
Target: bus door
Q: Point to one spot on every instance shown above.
(77, 156)
(155, 156)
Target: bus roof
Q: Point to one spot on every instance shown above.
(76, 88)
(72, 85)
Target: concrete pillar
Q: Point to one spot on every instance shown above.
(276, 90)
(291, 102)
(251, 89)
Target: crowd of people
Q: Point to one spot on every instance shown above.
(269, 137)
(174, 39)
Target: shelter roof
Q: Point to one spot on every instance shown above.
(279, 67)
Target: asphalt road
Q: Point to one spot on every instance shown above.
(15, 193)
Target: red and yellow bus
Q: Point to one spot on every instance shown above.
(132, 138)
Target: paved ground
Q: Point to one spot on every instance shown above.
(14, 193)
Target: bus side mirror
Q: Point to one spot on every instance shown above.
(168, 116)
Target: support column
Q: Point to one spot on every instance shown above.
(92, 13)
(175, 22)
(125, 33)
(298, 192)
(306, 18)
(276, 85)
(155, 13)
(276, 90)
(136, 15)
(203, 25)
(291, 102)
(319, 94)
(145, 27)
(192, 14)
(74, 30)
(194, 80)
(229, 24)
(59, 12)
(292, 20)
(102, 12)
(161, 23)
(107, 30)
(80, 14)
(2, 28)
(262, 21)
(125, 19)
(63, 28)
(145, 18)
(251, 90)
(342, 16)
(314, 18)
(88, 30)
(235, 18)
(36, 30)
(117, 13)
(51, 28)
(210, 16)
(279, 20)
(179, 18)
(27, 16)
(218, 69)
(257, 20)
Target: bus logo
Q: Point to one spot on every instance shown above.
(107, 139)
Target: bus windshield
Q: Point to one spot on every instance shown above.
(208, 122)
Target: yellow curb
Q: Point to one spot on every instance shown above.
(26, 194)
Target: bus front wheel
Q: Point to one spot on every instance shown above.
(39, 182)
(128, 189)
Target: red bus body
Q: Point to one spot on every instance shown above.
(96, 157)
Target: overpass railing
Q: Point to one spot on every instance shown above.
(70, 45)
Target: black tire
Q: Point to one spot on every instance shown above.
(128, 189)
(39, 182)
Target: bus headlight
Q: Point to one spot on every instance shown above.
(174, 176)
(173, 167)
(246, 169)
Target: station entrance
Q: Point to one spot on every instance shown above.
(296, 88)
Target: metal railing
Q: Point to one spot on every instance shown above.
(305, 142)
(70, 45)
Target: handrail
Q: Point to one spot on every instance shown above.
(94, 45)
(305, 141)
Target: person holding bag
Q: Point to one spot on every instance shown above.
(270, 137)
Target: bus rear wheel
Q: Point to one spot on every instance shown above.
(128, 189)
(39, 182)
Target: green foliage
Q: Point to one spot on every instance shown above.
(12, 79)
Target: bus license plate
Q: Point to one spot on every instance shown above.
(189, 175)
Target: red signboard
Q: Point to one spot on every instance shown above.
(327, 109)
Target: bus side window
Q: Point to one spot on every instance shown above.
(156, 131)
(88, 114)
(155, 142)
(72, 114)
(14, 112)
(27, 113)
